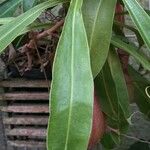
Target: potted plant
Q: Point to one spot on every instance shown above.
(89, 98)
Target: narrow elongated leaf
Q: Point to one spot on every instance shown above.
(5, 20)
(7, 8)
(98, 22)
(72, 87)
(113, 92)
(131, 49)
(11, 30)
(29, 27)
(141, 91)
(140, 18)
(120, 84)
(133, 29)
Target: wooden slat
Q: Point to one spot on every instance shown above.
(26, 120)
(26, 144)
(25, 83)
(26, 108)
(25, 96)
(29, 132)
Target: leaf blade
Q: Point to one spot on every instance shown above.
(98, 23)
(11, 30)
(116, 41)
(72, 101)
(7, 8)
(114, 101)
(140, 18)
(28, 4)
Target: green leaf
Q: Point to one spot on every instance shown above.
(133, 29)
(140, 18)
(120, 84)
(141, 91)
(28, 4)
(5, 20)
(14, 28)
(72, 87)
(111, 87)
(131, 49)
(36, 26)
(112, 90)
(33, 26)
(98, 18)
(110, 140)
(7, 8)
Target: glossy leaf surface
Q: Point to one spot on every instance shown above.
(131, 49)
(98, 18)
(140, 18)
(72, 87)
(11, 30)
(7, 8)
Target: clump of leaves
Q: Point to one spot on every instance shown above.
(91, 48)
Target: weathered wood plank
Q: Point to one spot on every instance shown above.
(26, 144)
(26, 108)
(25, 96)
(19, 83)
(29, 132)
(26, 120)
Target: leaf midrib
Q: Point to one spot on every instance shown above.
(72, 77)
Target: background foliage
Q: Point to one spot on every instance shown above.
(89, 36)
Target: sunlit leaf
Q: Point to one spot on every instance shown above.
(72, 87)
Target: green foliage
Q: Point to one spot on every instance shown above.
(72, 74)
(8, 7)
(28, 4)
(114, 101)
(131, 49)
(141, 92)
(98, 23)
(87, 46)
(12, 29)
(140, 18)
